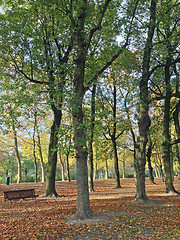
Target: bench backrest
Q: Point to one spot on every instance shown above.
(18, 194)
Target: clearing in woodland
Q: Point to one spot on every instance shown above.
(116, 215)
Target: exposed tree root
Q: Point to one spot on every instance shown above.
(173, 193)
(51, 196)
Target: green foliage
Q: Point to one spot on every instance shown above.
(38, 55)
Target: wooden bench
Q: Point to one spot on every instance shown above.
(130, 176)
(20, 194)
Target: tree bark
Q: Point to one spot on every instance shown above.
(95, 171)
(161, 172)
(106, 169)
(83, 203)
(62, 168)
(113, 137)
(178, 161)
(43, 172)
(52, 155)
(34, 147)
(140, 173)
(149, 153)
(166, 146)
(19, 176)
(116, 164)
(91, 165)
(124, 168)
(144, 120)
(68, 170)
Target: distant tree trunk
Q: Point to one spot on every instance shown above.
(116, 164)
(124, 168)
(34, 147)
(161, 172)
(106, 169)
(177, 128)
(113, 137)
(178, 161)
(62, 167)
(91, 165)
(19, 176)
(172, 163)
(139, 176)
(67, 164)
(144, 120)
(156, 170)
(149, 153)
(43, 172)
(95, 171)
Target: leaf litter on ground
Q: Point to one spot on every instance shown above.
(116, 214)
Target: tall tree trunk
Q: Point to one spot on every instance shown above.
(91, 165)
(19, 176)
(83, 203)
(166, 145)
(139, 178)
(52, 155)
(43, 172)
(149, 153)
(34, 147)
(113, 137)
(144, 120)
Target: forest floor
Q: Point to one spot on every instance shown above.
(116, 214)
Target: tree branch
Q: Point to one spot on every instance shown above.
(119, 134)
(98, 26)
(106, 137)
(176, 141)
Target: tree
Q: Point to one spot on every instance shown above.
(41, 155)
(149, 153)
(167, 34)
(31, 44)
(91, 139)
(71, 39)
(65, 144)
(111, 125)
(10, 119)
(144, 120)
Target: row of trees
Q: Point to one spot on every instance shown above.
(123, 55)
